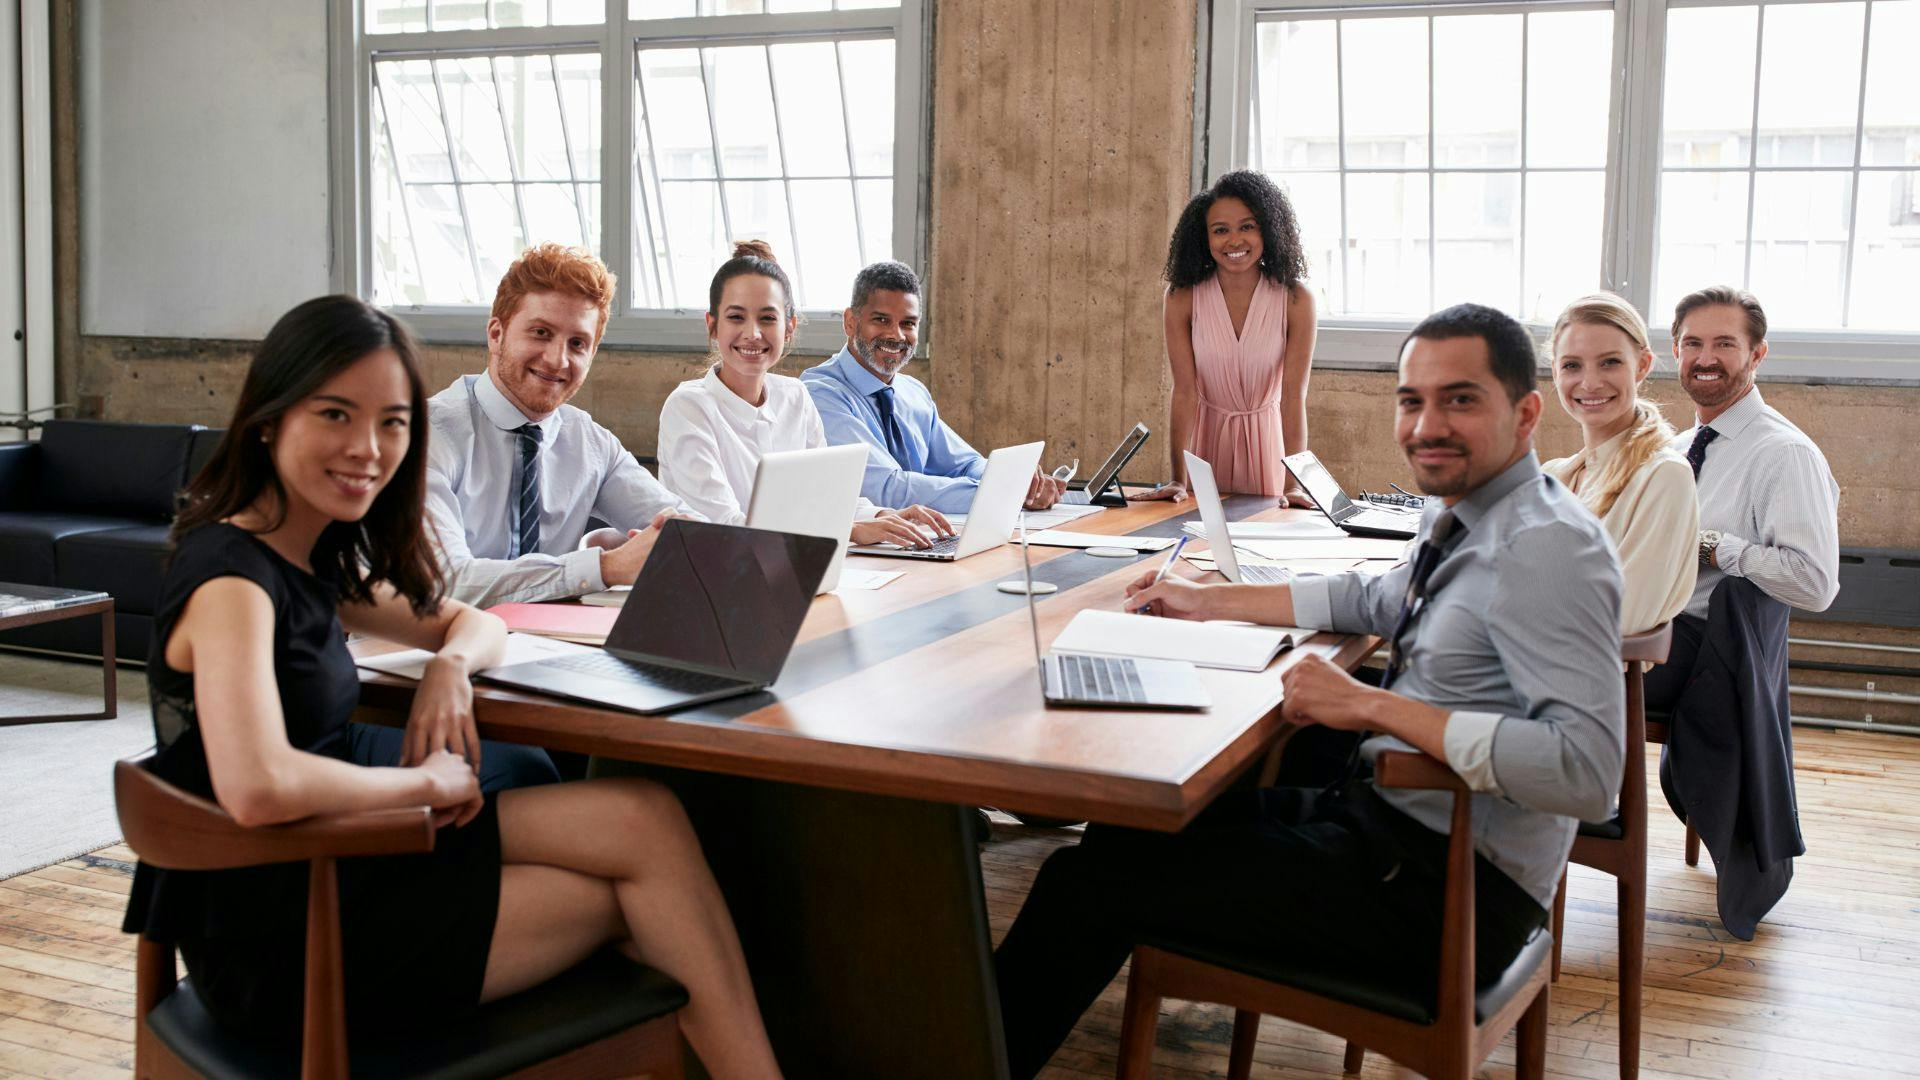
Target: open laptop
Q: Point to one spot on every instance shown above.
(990, 518)
(713, 614)
(1343, 511)
(1219, 541)
(1094, 493)
(813, 493)
(1109, 681)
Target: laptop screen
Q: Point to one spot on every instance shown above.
(725, 598)
(1319, 483)
(1099, 478)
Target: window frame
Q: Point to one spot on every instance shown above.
(1633, 171)
(352, 52)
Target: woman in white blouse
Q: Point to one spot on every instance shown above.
(715, 429)
(1625, 473)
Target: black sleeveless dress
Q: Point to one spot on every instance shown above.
(415, 929)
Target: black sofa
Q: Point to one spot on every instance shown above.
(88, 507)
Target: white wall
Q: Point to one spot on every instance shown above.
(203, 164)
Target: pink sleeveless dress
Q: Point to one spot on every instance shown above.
(1238, 427)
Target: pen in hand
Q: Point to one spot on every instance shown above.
(1172, 557)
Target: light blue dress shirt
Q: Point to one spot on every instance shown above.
(940, 469)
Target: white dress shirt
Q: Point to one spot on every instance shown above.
(1767, 489)
(473, 478)
(712, 440)
(1654, 525)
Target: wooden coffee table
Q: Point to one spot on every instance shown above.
(25, 605)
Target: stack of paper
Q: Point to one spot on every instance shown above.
(568, 622)
(412, 663)
(1060, 514)
(1060, 538)
(1347, 547)
(613, 597)
(1303, 529)
(1235, 646)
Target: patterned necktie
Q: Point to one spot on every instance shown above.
(527, 499)
(1697, 453)
(896, 442)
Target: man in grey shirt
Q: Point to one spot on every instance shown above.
(1504, 663)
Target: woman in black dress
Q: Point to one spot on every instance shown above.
(308, 520)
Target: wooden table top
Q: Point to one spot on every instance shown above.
(927, 688)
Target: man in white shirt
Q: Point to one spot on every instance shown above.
(514, 473)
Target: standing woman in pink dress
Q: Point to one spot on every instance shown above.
(1240, 325)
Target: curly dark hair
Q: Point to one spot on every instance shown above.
(1190, 257)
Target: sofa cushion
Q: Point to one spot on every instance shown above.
(125, 563)
(200, 450)
(98, 466)
(19, 475)
(28, 542)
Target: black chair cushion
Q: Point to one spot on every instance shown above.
(98, 466)
(19, 475)
(126, 563)
(1611, 829)
(28, 542)
(603, 996)
(1385, 992)
(200, 450)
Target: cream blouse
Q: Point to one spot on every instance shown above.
(1655, 526)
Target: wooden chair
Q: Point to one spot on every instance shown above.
(607, 1017)
(1443, 1036)
(1619, 846)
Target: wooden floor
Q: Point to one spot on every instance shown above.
(1829, 989)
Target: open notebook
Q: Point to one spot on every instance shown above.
(1235, 646)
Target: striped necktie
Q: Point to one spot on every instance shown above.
(1697, 453)
(527, 499)
(896, 442)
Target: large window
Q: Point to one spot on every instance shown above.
(654, 132)
(1518, 154)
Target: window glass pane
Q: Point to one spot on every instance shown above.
(576, 12)
(1476, 225)
(827, 242)
(1299, 107)
(1809, 83)
(1703, 229)
(1886, 249)
(473, 114)
(743, 112)
(1800, 245)
(493, 220)
(553, 215)
(876, 220)
(758, 211)
(396, 16)
(866, 70)
(1893, 86)
(1316, 207)
(1707, 111)
(673, 110)
(580, 99)
(1568, 91)
(682, 9)
(412, 105)
(461, 14)
(776, 7)
(1386, 125)
(440, 235)
(1476, 90)
(696, 239)
(536, 135)
(1387, 267)
(1565, 216)
(396, 268)
(850, 5)
(810, 109)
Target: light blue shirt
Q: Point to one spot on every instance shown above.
(940, 469)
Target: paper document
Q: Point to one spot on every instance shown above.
(412, 663)
(613, 597)
(1205, 561)
(1352, 547)
(865, 579)
(1060, 514)
(1235, 646)
(1304, 529)
(1059, 538)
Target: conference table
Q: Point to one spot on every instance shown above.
(837, 808)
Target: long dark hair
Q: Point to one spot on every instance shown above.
(308, 346)
(1190, 257)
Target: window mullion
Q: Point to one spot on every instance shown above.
(653, 158)
(786, 172)
(1859, 149)
(1340, 131)
(399, 179)
(566, 140)
(1753, 142)
(846, 130)
(459, 190)
(1520, 247)
(713, 135)
(1433, 183)
(506, 136)
(616, 153)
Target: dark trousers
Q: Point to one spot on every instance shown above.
(1665, 682)
(1341, 880)
(502, 765)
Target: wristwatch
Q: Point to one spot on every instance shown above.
(1709, 543)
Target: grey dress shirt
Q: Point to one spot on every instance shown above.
(1766, 488)
(1520, 643)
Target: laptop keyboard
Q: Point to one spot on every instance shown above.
(1098, 678)
(1076, 497)
(608, 666)
(946, 545)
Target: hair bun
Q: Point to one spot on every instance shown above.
(758, 249)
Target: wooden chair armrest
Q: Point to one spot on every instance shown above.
(1650, 647)
(169, 828)
(1405, 769)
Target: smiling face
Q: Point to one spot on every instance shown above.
(1597, 370)
(1717, 360)
(1233, 234)
(1455, 422)
(751, 332)
(883, 332)
(540, 356)
(336, 449)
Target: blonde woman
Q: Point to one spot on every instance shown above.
(1625, 473)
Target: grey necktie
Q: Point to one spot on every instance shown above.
(527, 499)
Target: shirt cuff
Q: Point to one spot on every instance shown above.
(1469, 746)
(583, 571)
(866, 509)
(1312, 605)
(1726, 555)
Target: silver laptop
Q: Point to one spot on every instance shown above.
(1109, 681)
(990, 518)
(1343, 511)
(1219, 539)
(713, 614)
(1102, 478)
(813, 493)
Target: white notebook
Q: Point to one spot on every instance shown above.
(1235, 646)
(1303, 529)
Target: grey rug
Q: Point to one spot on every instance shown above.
(56, 780)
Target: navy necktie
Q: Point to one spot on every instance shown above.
(527, 499)
(896, 442)
(1697, 453)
